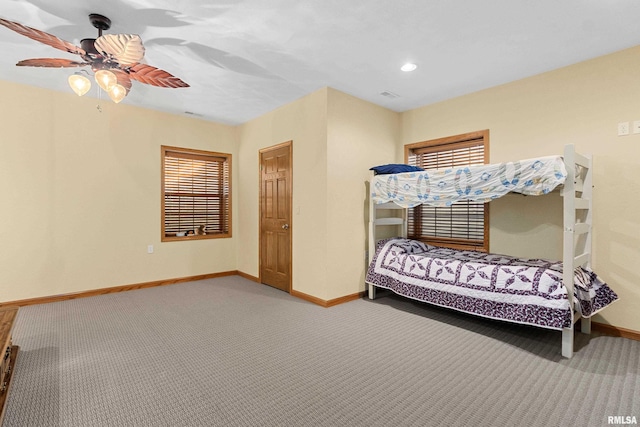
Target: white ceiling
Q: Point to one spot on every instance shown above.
(244, 58)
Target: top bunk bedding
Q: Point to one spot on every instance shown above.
(478, 183)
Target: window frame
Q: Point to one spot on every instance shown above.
(446, 144)
(194, 153)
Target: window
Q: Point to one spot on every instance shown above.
(196, 194)
(463, 225)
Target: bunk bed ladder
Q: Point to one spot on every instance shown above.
(375, 221)
(577, 203)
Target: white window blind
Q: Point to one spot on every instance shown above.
(196, 193)
(462, 224)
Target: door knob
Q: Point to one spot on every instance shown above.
(285, 227)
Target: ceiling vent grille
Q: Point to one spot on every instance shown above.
(389, 95)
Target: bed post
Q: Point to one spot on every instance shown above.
(576, 255)
(568, 251)
(372, 236)
(567, 342)
(374, 222)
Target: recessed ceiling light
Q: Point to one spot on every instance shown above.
(408, 67)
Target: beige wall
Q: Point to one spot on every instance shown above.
(579, 104)
(81, 194)
(336, 138)
(360, 135)
(305, 123)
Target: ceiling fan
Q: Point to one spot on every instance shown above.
(114, 58)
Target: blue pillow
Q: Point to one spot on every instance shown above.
(394, 168)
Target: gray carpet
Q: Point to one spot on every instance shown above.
(229, 352)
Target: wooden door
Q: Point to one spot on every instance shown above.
(275, 216)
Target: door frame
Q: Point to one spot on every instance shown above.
(288, 144)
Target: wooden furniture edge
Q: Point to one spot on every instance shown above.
(7, 380)
(326, 303)
(114, 289)
(616, 331)
(8, 315)
(9, 354)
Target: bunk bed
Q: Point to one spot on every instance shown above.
(535, 292)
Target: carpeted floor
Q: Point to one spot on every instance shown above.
(230, 352)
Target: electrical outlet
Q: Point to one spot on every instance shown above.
(636, 126)
(623, 128)
(150, 249)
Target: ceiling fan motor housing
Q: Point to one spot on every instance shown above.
(88, 45)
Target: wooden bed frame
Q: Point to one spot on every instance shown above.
(577, 220)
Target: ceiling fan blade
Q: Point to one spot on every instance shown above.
(50, 62)
(42, 37)
(126, 49)
(123, 79)
(154, 76)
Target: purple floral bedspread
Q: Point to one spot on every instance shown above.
(527, 291)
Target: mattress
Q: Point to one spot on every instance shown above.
(520, 290)
(478, 183)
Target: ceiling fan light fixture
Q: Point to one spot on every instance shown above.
(105, 79)
(117, 93)
(79, 83)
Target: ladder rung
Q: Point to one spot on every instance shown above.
(581, 260)
(582, 203)
(581, 160)
(388, 205)
(581, 228)
(389, 221)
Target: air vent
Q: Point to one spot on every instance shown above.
(191, 113)
(389, 95)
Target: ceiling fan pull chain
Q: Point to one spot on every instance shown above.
(98, 107)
